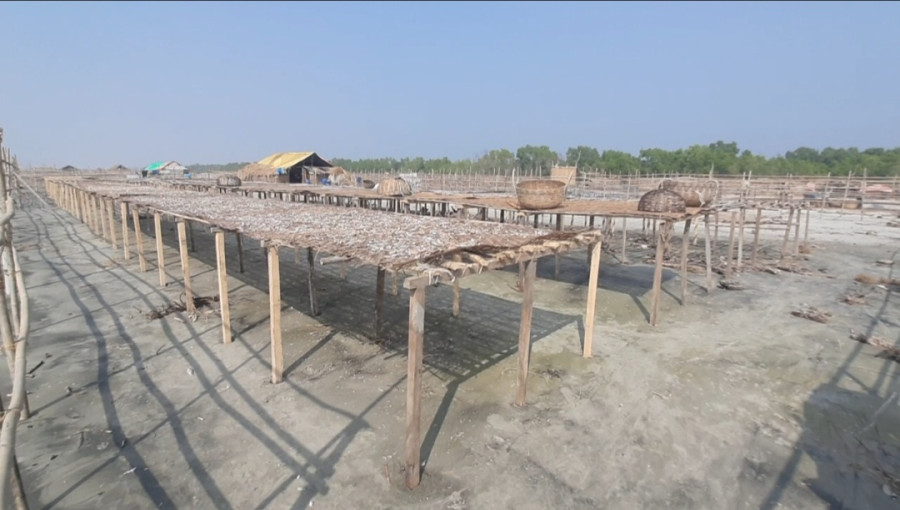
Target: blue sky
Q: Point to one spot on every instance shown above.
(98, 84)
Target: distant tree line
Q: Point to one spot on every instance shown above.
(721, 157)
(227, 167)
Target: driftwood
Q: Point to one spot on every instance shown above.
(888, 350)
(812, 314)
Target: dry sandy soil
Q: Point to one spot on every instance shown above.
(731, 402)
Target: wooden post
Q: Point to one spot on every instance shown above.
(223, 285)
(414, 385)
(457, 258)
(797, 232)
(314, 308)
(379, 300)
(591, 300)
(787, 233)
(111, 213)
(101, 215)
(240, 243)
(275, 316)
(708, 249)
(731, 243)
(139, 239)
(123, 211)
(185, 267)
(160, 255)
(806, 230)
(525, 328)
(740, 245)
(624, 242)
(716, 234)
(756, 236)
(657, 273)
(685, 238)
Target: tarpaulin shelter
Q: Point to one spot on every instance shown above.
(287, 167)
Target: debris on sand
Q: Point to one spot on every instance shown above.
(885, 262)
(875, 280)
(888, 350)
(812, 313)
(181, 306)
(855, 299)
(730, 285)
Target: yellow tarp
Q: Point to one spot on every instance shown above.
(285, 159)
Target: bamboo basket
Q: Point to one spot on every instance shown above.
(368, 184)
(662, 201)
(394, 187)
(228, 180)
(543, 194)
(696, 193)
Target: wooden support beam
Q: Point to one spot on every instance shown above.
(123, 210)
(657, 273)
(591, 300)
(139, 239)
(240, 243)
(740, 242)
(708, 249)
(379, 301)
(731, 243)
(223, 285)
(797, 231)
(787, 234)
(275, 316)
(756, 236)
(185, 267)
(160, 254)
(457, 258)
(414, 385)
(310, 259)
(111, 213)
(525, 328)
(104, 221)
(806, 230)
(685, 239)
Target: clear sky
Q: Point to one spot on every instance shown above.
(98, 84)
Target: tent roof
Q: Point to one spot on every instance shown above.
(165, 165)
(290, 159)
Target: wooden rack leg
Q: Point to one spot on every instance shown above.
(379, 301)
(314, 307)
(708, 248)
(685, 240)
(731, 243)
(657, 274)
(456, 258)
(123, 211)
(740, 241)
(591, 309)
(525, 328)
(139, 239)
(756, 236)
(787, 234)
(414, 385)
(624, 242)
(111, 213)
(185, 267)
(223, 286)
(806, 230)
(98, 203)
(240, 244)
(275, 316)
(797, 232)
(160, 253)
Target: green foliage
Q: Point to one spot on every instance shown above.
(203, 168)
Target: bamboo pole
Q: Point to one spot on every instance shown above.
(160, 252)
(591, 309)
(111, 213)
(684, 259)
(787, 233)
(123, 211)
(756, 236)
(414, 385)
(222, 273)
(797, 231)
(806, 230)
(657, 273)
(139, 239)
(313, 306)
(275, 316)
(185, 267)
(525, 328)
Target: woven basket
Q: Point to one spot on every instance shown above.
(368, 184)
(394, 187)
(661, 201)
(541, 194)
(696, 192)
(228, 180)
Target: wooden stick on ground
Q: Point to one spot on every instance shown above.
(185, 267)
(525, 328)
(313, 306)
(138, 239)
(414, 384)
(275, 316)
(223, 285)
(160, 254)
(591, 309)
(685, 238)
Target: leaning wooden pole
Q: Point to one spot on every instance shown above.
(123, 211)
(787, 233)
(139, 239)
(185, 268)
(275, 316)
(414, 384)
(160, 252)
(111, 212)
(685, 238)
(222, 273)
(525, 329)
(591, 309)
(657, 272)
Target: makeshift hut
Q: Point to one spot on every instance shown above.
(298, 167)
(165, 168)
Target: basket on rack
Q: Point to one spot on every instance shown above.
(394, 187)
(228, 180)
(661, 201)
(696, 192)
(543, 194)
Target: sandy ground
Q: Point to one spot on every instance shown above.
(731, 402)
